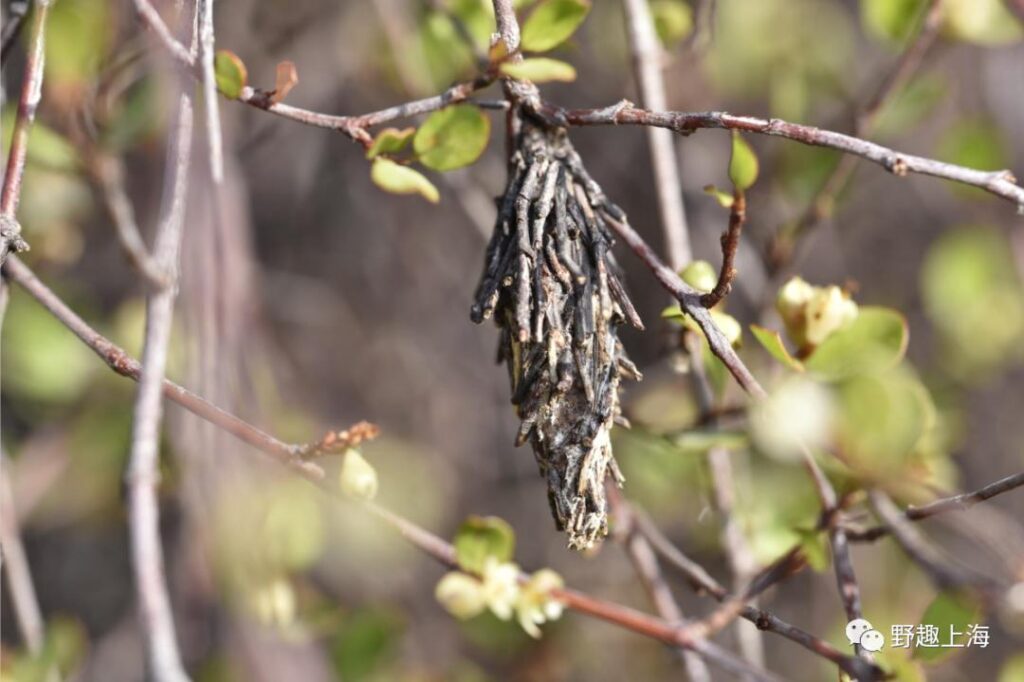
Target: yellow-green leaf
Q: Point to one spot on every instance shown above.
(452, 137)
(890, 20)
(539, 70)
(673, 20)
(700, 275)
(875, 341)
(951, 613)
(724, 199)
(390, 141)
(483, 537)
(398, 179)
(772, 342)
(552, 23)
(743, 165)
(983, 22)
(230, 73)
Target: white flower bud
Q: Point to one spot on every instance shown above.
(829, 310)
(358, 479)
(500, 587)
(461, 595)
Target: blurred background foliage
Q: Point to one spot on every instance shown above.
(354, 304)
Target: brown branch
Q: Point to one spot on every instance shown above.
(730, 245)
(647, 57)
(335, 442)
(31, 92)
(865, 123)
(1001, 183)
(645, 563)
(290, 456)
(702, 581)
(689, 301)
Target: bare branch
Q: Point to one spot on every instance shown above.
(942, 572)
(647, 57)
(1001, 183)
(645, 562)
(28, 103)
(210, 98)
(142, 478)
(108, 172)
(730, 245)
(865, 120)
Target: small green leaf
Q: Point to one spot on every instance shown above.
(699, 441)
(743, 165)
(673, 20)
(876, 340)
(539, 70)
(452, 137)
(230, 73)
(815, 548)
(772, 342)
(552, 22)
(890, 20)
(399, 179)
(724, 199)
(951, 613)
(700, 275)
(390, 141)
(482, 537)
(674, 313)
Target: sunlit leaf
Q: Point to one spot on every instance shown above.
(699, 441)
(230, 73)
(390, 141)
(877, 339)
(772, 342)
(951, 613)
(551, 23)
(398, 179)
(453, 137)
(983, 22)
(483, 537)
(673, 20)
(700, 275)
(890, 20)
(285, 78)
(539, 70)
(743, 165)
(724, 199)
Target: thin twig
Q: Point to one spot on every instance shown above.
(959, 502)
(730, 245)
(943, 573)
(108, 172)
(28, 103)
(647, 72)
(865, 123)
(645, 563)
(163, 657)
(690, 301)
(1001, 183)
(210, 99)
(702, 581)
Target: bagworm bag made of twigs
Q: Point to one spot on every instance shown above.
(555, 292)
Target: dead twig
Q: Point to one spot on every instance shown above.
(730, 245)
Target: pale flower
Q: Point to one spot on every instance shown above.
(358, 478)
(535, 605)
(461, 595)
(829, 310)
(500, 587)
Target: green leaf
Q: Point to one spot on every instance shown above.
(876, 340)
(390, 141)
(890, 20)
(699, 441)
(815, 547)
(78, 39)
(673, 20)
(366, 641)
(551, 23)
(230, 73)
(539, 70)
(46, 147)
(724, 199)
(483, 537)
(772, 342)
(700, 275)
(975, 143)
(951, 613)
(983, 22)
(452, 137)
(743, 165)
(398, 179)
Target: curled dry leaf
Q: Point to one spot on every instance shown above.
(287, 77)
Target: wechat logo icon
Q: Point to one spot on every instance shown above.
(860, 631)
